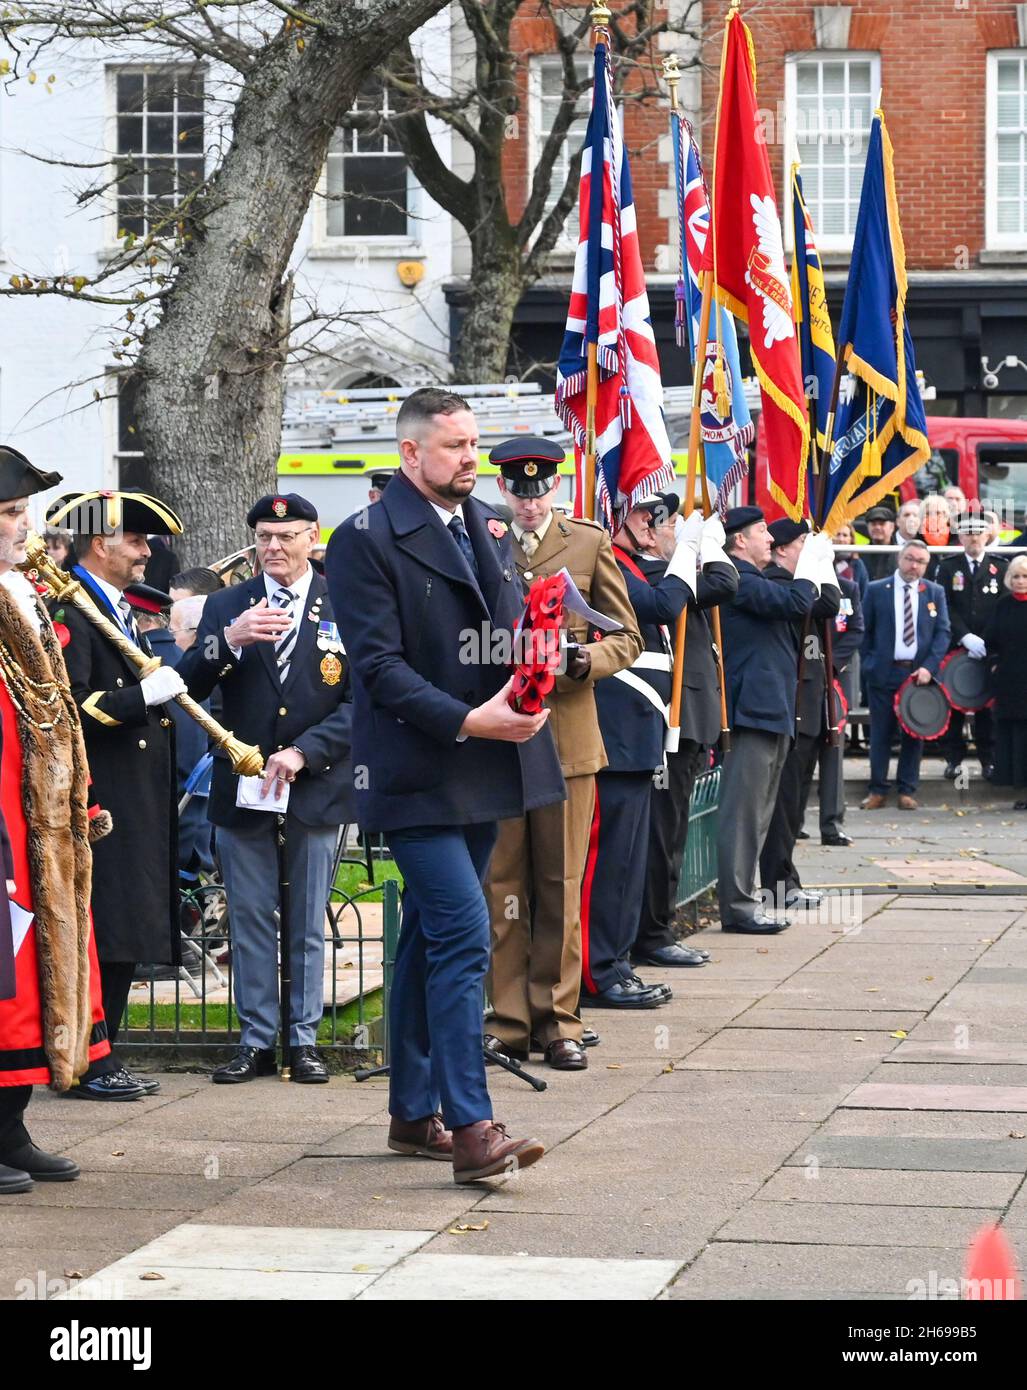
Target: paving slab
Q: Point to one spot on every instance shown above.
(139, 1152)
(840, 1223)
(887, 1096)
(913, 1050)
(478, 1278)
(814, 1181)
(747, 1271)
(915, 1154)
(772, 1017)
(928, 1124)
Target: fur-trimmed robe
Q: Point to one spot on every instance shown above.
(56, 836)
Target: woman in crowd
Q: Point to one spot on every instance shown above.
(847, 563)
(1006, 640)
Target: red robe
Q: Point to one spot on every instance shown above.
(23, 1061)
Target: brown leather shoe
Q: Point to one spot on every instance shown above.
(908, 803)
(484, 1149)
(874, 802)
(427, 1138)
(564, 1054)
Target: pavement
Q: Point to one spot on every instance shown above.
(830, 1113)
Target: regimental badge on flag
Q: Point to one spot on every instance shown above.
(727, 428)
(880, 431)
(809, 302)
(746, 255)
(609, 307)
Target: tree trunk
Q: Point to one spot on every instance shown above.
(494, 290)
(211, 370)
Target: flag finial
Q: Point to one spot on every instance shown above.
(601, 16)
(672, 76)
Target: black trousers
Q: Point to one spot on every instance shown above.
(13, 1134)
(778, 874)
(614, 877)
(668, 835)
(115, 982)
(952, 744)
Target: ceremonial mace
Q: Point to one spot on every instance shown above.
(245, 758)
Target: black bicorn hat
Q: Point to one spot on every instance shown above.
(19, 478)
(105, 511)
(785, 530)
(738, 518)
(288, 506)
(528, 463)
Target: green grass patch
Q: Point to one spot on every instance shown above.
(352, 879)
(190, 1018)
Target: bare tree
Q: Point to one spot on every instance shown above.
(205, 287)
(509, 254)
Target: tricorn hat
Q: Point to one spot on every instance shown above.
(19, 478)
(104, 512)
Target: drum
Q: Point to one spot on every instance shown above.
(965, 680)
(923, 711)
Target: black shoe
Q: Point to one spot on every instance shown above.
(247, 1064)
(40, 1166)
(13, 1180)
(803, 898)
(112, 1085)
(307, 1065)
(952, 771)
(802, 835)
(988, 772)
(590, 1038)
(838, 841)
(625, 994)
(671, 956)
(494, 1044)
(665, 990)
(760, 925)
(149, 1084)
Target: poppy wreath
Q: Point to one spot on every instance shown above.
(539, 638)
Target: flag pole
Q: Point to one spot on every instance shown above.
(600, 16)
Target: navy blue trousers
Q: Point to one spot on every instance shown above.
(883, 723)
(438, 986)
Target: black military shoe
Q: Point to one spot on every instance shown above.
(673, 956)
(952, 771)
(625, 994)
(247, 1064)
(13, 1180)
(40, 1166)
(758, 925)
(307, 1066)
(149, 1084)
(663, 989)
(112, 1085)
(803, 898)
(838, 841)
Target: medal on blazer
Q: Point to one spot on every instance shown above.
(958, 582)
(328, 639)
(331, 669)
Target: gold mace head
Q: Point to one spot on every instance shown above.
(245, 758)
(601, 16)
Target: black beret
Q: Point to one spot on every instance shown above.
(19, 478)
(289, 506)
(738, 518)
(661, 504)
(784, 531)
(528, 463)
(101, 513)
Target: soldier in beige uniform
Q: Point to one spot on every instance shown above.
(534, 882)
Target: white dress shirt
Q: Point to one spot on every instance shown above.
(904, 651)
(446, 516)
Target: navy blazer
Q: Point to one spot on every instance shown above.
(932, 632)
(307, 712)
(761, 649)
(426, 642)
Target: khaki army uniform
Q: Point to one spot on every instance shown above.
(534, 882)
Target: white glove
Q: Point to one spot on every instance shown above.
(711, 547)
(684, 563)
(829, 575)
(161, 686)
(974, 645)
(810, 564)
(690, 531)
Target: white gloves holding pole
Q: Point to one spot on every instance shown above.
(684, 563)
(816, 561)
(162, 685)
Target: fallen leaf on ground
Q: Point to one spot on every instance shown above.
(859, 1040)
(763, 950)
(151, 1274)
(899, 1033)
(873, 990)
(362, 1269)
(1017, 1134)
(117, 1153)
(667, 1069)
(463, 1228)
(73, 1274)
(613, 1066)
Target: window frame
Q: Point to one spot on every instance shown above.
(828, 242)
(567, 241)
(114, 70)
(994, 240)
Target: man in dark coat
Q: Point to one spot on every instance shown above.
(760, 659)
(973, 584)
(130, 744)
(778, 874)
(427, 596)
(274, 648)
(717, 583)
(847, 640)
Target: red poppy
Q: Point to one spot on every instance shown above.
(62, 634)
(497, 528)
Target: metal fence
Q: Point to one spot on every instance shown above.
(699, 864)
(184, 1016)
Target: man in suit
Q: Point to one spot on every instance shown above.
(534, 882)
(973, 584)
(778, 874)
(655, 940)
(273, 647)
(130, 744)
(907, 634)
(761, 659)
(428, 595)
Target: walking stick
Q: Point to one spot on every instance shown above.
(284, 946)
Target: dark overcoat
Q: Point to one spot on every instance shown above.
(427, 642)
(811, 682)
(761, 649)
(972, 599)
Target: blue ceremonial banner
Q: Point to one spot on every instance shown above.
(880, 429)
(809, 306)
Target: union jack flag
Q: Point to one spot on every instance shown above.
(609, 307)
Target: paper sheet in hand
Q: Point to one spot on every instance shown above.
(20, 923)
(249, 798)
(572, 599)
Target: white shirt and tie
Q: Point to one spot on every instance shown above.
(907, 608)
(290, 599)
(119, 603)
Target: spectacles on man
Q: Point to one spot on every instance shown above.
(264, 538)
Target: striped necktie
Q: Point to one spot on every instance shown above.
(459, 533)
(125, 609)
(284, 599)
(908, 628)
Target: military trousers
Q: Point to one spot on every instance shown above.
(668, 835)
(534, 898)
(748, 791)
(778, 873)
(614, 877)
